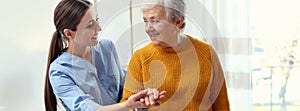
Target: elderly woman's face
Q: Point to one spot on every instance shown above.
(160, 29)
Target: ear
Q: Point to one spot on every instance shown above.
(179, 22)
(69, 33)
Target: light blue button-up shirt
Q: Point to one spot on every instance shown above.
(84, 86)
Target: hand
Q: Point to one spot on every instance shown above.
(153, 97)
(143, 98)
(134, 100)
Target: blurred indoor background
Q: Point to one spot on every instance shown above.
(258, 42)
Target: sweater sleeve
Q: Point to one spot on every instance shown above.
(134, 77)
(219, 95)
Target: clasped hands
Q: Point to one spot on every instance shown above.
(145, 98)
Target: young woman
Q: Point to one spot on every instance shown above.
(83, 72)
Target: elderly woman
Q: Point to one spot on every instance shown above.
(187, 68)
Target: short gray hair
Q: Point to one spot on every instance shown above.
(174, 8)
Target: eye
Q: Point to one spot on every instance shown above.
(90, 24)
(93, 22)
(154, 21)
(146, 22)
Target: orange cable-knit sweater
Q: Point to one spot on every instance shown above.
(190, 73)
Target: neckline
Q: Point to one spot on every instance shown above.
(80, 58)
(177, 49)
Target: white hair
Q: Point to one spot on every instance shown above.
(174, 8)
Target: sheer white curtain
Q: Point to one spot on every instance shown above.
(234, 47)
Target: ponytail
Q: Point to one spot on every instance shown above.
(67, 15)
(55, 49)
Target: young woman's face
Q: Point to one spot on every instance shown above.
(87, 30)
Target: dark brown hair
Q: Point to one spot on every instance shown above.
(67, 15)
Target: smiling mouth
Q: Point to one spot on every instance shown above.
(94, 37)
(153, 35)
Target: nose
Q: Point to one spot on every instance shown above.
(149, 27)
(98, 27)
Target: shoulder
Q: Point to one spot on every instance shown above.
(61, 63)
(64, 58)
(140, 55)
(105, 45)
(198, 43)
(146, 50)
(104, 42)
(203, 48)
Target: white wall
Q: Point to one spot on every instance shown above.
(26, 28)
